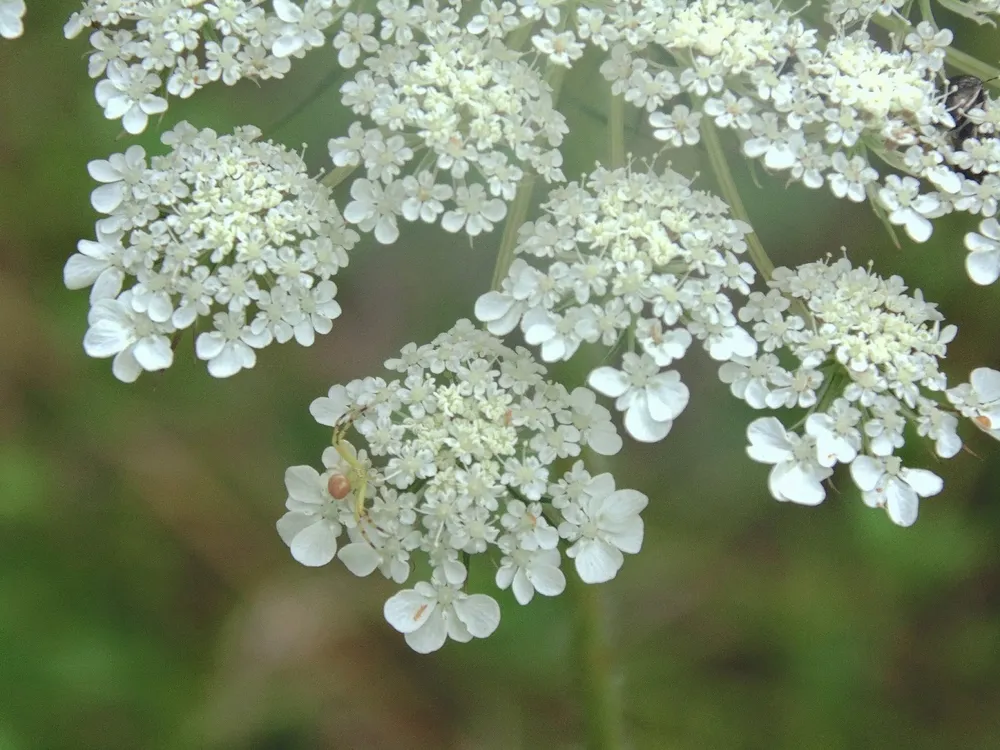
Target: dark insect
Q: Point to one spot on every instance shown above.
(965, 93)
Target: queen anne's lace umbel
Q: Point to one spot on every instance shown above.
(228, 230)
(636, 257)
(866, 367)
(471, 450)
(460, 461)
(146, 50)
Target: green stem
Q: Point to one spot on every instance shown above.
(616, 126)
(723, 175)
(926, 14)
(522, 201)
(508, 242)
(601, 702)
(338, 175)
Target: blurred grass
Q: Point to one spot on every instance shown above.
(146, 602)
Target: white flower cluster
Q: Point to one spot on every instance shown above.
(460, 462)
(979, 400)
(457, 120)
(223, 227)
(145, 49)
(11, 18)
(816, 110)
(629, 255)
(866, 361)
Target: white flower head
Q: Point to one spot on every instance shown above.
(222, 228)
(178, 47)
(628, 251)
(458, 462)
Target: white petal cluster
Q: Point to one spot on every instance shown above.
(634, 255)
(832, 113)
(146, 50)
(867, 365)
(11, 18)
(454, 122)
(979, 400)
(223, 229)
(459, 460)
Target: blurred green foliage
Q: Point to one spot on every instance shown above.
(146, 602)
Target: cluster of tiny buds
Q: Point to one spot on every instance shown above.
(634, 256)
(461, 460)
(225, 229)
(866, 365)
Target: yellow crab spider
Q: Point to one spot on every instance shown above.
(339, 485)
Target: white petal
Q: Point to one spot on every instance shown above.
(627, 536)
(866, 471)
(492, 306)
(548, 580)
(624, 504)
(407, 610)
(106, 198)
(609, 381)
(538, 326)
(316, 544)
(291, 524)
(304, 484)
(666, 398)
(479, 613)
(768, 441)
(986, 382)
(327, 410)
(105, 339)
(430, 637)
(606, 442)
(644, 428)
(81, 271)
(924, 483)
(124, 366)
(983, 267)
(359, 558)
(794, 483)
(597, 561)
(901, 502)
(154, 353)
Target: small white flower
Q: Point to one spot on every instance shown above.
(311, 527)
(136, 342)
(127, 93)
(474, 210)
(679, 128)
(650, 399)
(375, 208)
(886, 483)
(797, 474)
(983, 261)
(601, 525)
(907, 207)
(431, 612)
(979, 399)
(527, 571)
(837, 437)
(230, 347)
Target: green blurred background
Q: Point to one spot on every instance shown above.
(146, 601)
